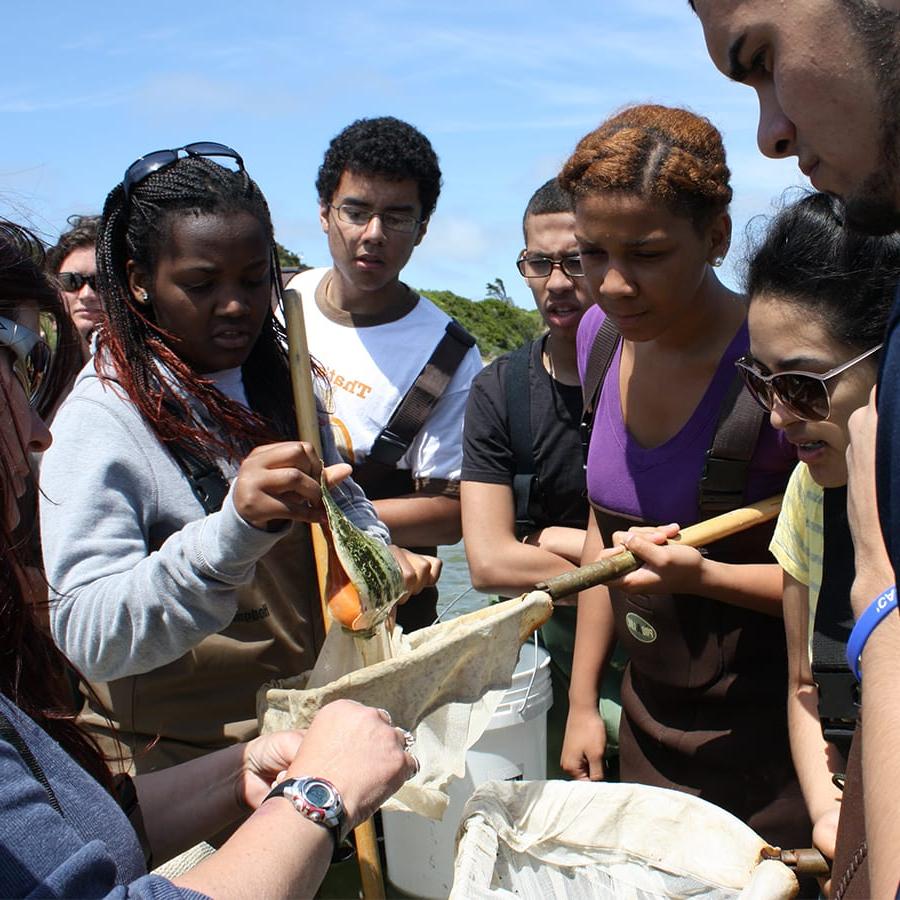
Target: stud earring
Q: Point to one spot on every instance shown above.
(718, 260)
(143, 297)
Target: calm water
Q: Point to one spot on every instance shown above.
(455, 580)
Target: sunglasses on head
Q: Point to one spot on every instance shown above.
(32, 358)
(162, 159)
(75, 281)
(805, 394)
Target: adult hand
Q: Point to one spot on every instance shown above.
(667, 568)
(264, 758)
(419, 571)
(873, 566)
(280, 482)
(584, 745)
(355, 748)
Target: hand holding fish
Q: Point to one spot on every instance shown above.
(279, 482)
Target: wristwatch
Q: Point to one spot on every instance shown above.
(319, 801)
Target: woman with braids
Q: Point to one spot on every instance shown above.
(676, 439)
(181, 583)
(65, 821)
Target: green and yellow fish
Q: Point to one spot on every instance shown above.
(364, 579)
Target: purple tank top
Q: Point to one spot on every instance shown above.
(660, 484)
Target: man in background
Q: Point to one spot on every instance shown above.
(399, 367)
(523, 493)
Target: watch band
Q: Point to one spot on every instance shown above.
(329, 815)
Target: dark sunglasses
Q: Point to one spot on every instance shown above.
(805, 394)
(542, 266)
(75, 281)
(32, 358)
(162, 159)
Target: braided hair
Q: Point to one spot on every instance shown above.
(659, 153)
(135, 229)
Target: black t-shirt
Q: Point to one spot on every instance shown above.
(555, 419)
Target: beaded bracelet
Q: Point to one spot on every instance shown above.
(868, 622)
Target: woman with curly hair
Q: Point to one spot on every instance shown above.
(177, 551)
(676, 439)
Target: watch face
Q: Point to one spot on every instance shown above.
(318, 794)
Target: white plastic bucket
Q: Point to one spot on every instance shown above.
(513, 748)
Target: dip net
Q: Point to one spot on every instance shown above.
(442, 683)
(583, 840)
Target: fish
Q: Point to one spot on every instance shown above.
(364, 580)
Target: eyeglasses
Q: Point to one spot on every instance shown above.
(162, 159)
(360, 216)
(75, 281)
(805, 394)
(542, 266)
(32, 357)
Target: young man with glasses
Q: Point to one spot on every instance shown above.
(827, 76)
(378, 186)
(523, 492)
(72, 262)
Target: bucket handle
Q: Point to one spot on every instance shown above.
(533, 674)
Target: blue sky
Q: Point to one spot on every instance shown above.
(503, 89)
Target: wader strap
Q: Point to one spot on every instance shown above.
(724, 478)
(838, 689)
(206, 479)
(430, 384)
(740, 418)
(518, 414)
(599, 360)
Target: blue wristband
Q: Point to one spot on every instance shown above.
(868, 622)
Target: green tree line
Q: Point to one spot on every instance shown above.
(497, 325)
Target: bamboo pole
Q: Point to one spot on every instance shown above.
(370, 872)
(705, 532)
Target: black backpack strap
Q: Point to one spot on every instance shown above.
(206, 479)
(838, 688)
(599, 360)
(424, 393)
(517, 385)
(724, 478)
(9, 734)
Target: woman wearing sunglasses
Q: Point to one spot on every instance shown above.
(703, 699)
(73, 260)
(820, 296)
(180, 582)
(65, 821)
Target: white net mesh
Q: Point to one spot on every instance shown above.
(574, 840)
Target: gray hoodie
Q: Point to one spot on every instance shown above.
(111, 495)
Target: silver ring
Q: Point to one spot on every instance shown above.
(409, 739)
(415, 759)
(384, 715)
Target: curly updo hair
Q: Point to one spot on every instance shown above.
(809, 259)
(662, 154)
(384, 147)
(82, 232)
